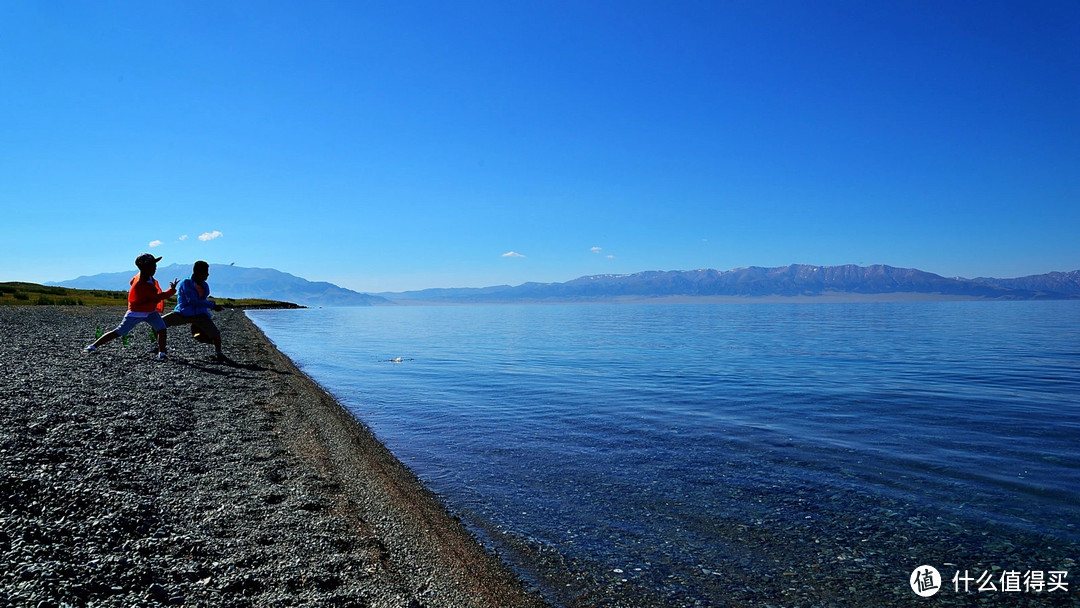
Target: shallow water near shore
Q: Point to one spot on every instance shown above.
(727, 453)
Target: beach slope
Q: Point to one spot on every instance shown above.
(125, 481)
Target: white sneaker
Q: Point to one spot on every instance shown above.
(162, 356)
(91, 349)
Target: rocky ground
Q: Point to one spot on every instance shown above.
(125, 481)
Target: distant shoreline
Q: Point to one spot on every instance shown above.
(829, 298)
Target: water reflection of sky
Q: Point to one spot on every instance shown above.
(641, 436)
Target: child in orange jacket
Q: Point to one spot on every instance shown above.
(146, 301)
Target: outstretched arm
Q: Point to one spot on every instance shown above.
(165, 295)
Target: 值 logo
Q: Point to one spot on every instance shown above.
(925, 581)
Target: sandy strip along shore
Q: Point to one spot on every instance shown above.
(125, 481)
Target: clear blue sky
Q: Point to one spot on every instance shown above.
(400, 145)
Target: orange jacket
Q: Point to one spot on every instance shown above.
(146, 296)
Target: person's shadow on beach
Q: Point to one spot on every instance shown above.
(228, 367)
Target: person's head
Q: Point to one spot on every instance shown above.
(200, 271)
(147, 265)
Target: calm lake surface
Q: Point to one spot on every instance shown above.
(728, 454)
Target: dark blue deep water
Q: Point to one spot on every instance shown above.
(713, 454)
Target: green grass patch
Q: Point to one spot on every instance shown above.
(252, 303)
(31, 294)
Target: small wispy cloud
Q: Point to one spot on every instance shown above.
(512, 254)
(209, 236)
(596, 249)
(156, 243)
(183, 237)
(610, 257)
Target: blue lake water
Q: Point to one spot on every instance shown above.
(726, 454)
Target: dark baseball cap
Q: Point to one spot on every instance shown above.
(145, 260)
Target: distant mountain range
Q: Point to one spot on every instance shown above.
(237, 282)
(1067, 283)
(786, 281)
(885, 282)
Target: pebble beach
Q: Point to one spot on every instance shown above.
(125, 481)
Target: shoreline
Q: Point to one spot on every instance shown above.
(132, 482)
(824, 298)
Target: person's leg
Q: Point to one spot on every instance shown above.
(125, 326)
(207, 331)
(215, 334)
(172, 319)
(154, 319)
(107, 337)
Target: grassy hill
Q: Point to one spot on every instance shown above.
(31, 294)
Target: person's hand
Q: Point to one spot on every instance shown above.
(174, 283)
